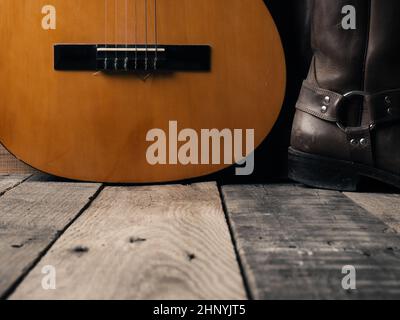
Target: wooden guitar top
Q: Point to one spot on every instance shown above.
(94, 126)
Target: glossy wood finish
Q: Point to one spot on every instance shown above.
(93, 126)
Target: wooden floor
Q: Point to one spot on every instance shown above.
(198, 241)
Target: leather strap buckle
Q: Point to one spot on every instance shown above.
(380, 108)
(345, 97)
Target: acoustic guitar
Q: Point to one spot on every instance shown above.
(134, 91)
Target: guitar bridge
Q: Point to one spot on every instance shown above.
(132, 58)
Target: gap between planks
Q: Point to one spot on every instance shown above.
(294, 241)
(385, 206)
(149, 242)
(8, 181)
(33, 213)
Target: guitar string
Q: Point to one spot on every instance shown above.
(126, 35)
(135, 36)
(116, 32)
(146, 29)
(155, 35)
(105, 31)
(116, 12)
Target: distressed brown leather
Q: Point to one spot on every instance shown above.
(365, 59)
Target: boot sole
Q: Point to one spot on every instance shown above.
(327, 173)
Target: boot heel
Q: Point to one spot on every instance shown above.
(321, 172)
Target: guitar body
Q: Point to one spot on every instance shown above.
(93, 125)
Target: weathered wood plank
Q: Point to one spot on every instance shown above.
(150, 242)
(7, 182)
(385, 206)
(294, 242)
(32, 215)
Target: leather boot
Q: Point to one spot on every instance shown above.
(347, 122)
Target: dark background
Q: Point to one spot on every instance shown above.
(293, 19)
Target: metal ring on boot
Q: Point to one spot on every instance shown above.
(346, 96)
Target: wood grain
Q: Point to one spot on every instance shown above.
(32, 215)
(7, 182)
(294, 241)
(151, 242)
(93, 127)
(386, 206)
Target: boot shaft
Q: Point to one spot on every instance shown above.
(365, 58)
(348, 112)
